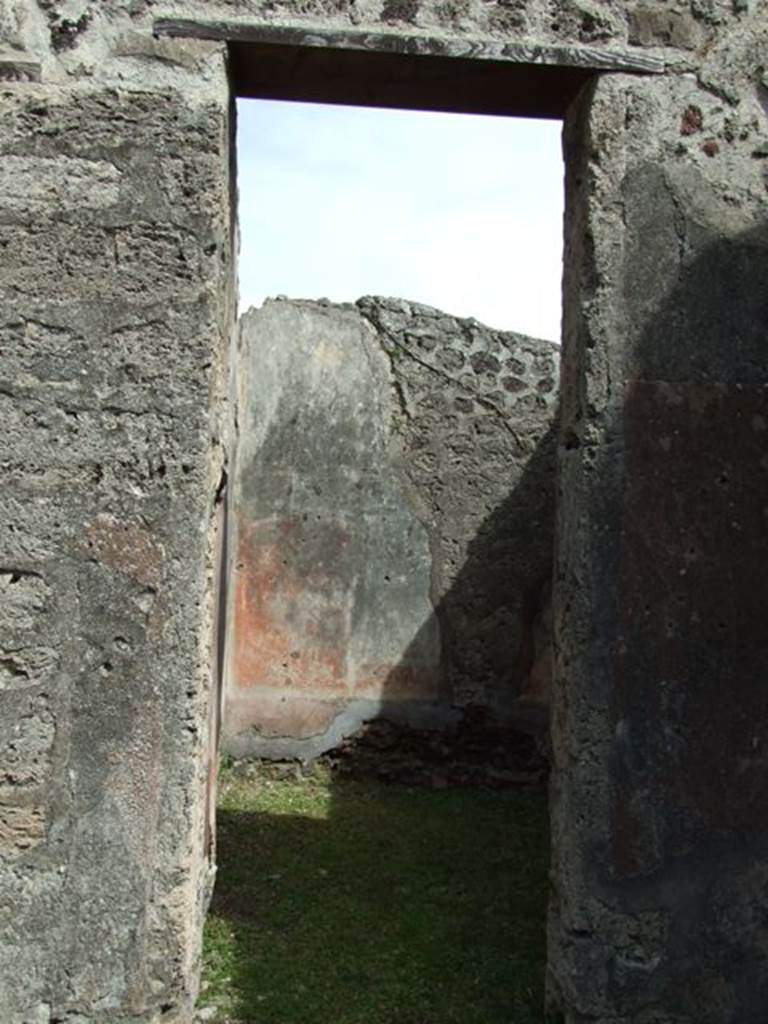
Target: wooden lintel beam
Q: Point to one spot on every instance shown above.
(413, 45)
(387, 69)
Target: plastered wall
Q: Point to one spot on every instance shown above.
(115, 315)
(393, 509)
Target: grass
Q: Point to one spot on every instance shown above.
(342, 902)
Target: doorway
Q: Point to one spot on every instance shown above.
(373, 623)
(278, 62)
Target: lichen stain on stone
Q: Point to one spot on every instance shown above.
(127, 547)
(132, 550)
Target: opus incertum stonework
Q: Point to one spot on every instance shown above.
(117, 341)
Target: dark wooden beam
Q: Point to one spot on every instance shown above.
(590, 58)
(388, 69)
(415, 83)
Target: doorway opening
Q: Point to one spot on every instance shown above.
(395, 69)
(392, 511)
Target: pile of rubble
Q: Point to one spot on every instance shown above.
(476, 753)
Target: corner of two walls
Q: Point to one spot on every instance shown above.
(392, 511)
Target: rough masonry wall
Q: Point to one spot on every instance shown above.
(661, 708)
(393, 509)
(475, 446)
(76, 34)
(115, 271)
(115, 262)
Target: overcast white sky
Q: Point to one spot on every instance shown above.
(459, 212)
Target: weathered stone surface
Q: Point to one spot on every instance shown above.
(75, 35)
(422, 45)
(115, 312)
(660, 714)
(476, 447)
(393, 509)
(651, 26)
(20, 829)
(32, 184)
(114, 326)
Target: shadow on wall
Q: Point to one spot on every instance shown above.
(495, 617)
(665, 573)
(494, 622)
(415, 903)
(394, 514)
(424, 901)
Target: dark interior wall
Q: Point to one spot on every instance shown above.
(660, 712)
(475, 441)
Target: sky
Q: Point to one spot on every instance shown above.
(461, 212)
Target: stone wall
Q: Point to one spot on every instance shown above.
(115, 319)
(660, 717)
(393, 523)
(75, 35)
(115, 314)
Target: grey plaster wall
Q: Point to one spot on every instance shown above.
(115, 273)
(393, 508)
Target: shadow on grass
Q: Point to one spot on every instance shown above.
(365, 903)
(352, 901)
(355, 902)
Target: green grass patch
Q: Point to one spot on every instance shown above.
(341, 902)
